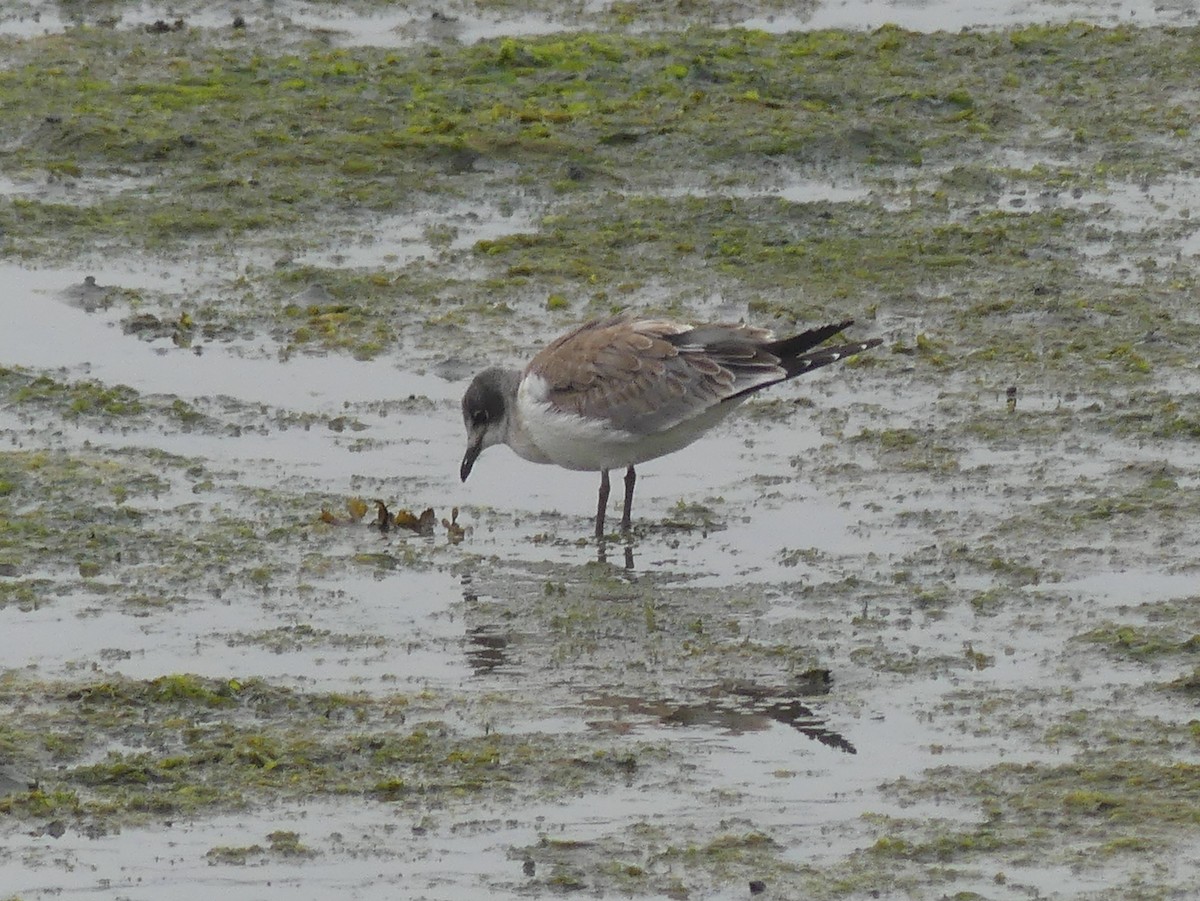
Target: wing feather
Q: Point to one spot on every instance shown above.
(648, 375)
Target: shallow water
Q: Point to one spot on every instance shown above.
(869, 525)
(463, 22)
(794, 784)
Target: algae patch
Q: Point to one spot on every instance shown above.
(935, 568)
(182, 745)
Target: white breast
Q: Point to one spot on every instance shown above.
(576, 442)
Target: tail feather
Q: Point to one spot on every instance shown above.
(786, 348)
(796, 356)
(826, 355)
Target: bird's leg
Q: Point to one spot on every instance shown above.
(600, 507)
(630, 478)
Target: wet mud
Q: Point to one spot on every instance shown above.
(924, 625)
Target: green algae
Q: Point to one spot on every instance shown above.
(91, 521)
(1103, 799)
(270, 148)
(651, 859)
(324, 120)
(303, 635)
(1096, 813)
(226, 744)
(34, 394)
(281, 843)
(1140, 642)
(918, 109)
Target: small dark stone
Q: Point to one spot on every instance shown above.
(814, 682)
(143, 322)
(239, 22)
(94, 830)
(462, 161)
(528, 867)
(757, 886)
(621, 137)
(159, 26)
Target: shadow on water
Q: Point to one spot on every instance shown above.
(487, 650)
(737, 708)
(486, 646)
(602, 554)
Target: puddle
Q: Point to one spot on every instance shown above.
(953, 15)
(1110, 592)
(32, 18)
(396, 241)
(43, 331)
(77, 192)
(461, 24)
(793, 187)
(363, 851)
(467, 23)
(338, 647)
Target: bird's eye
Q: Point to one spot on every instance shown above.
(480, 417)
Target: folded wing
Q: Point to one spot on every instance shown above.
(648, 375)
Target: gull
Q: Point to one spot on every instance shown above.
(619, 391)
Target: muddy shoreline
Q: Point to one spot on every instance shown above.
(886, 635)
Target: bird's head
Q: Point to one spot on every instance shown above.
(485, 410)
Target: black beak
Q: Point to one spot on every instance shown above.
(473, 451)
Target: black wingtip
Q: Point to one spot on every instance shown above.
(807, 340)
(826, 355)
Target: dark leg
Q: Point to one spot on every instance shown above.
(630, 478)
(603, 505)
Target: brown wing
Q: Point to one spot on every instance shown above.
(647, 375)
